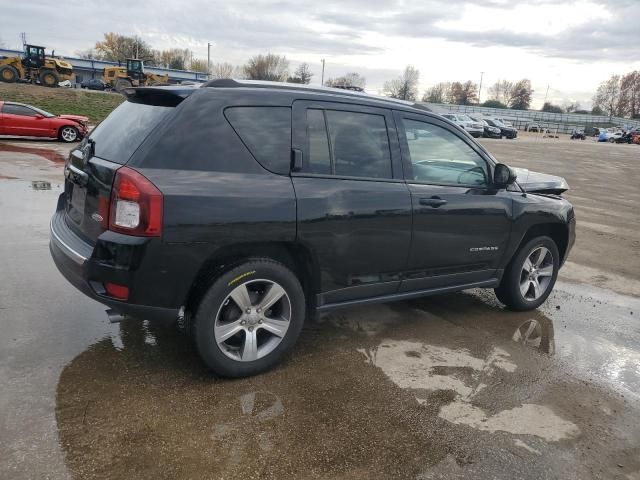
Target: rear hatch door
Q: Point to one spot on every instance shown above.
(91, 167)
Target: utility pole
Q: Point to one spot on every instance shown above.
(480, 89)
(208, 60)
(546, 95)
(322, 80)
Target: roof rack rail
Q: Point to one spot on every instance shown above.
(232, 83)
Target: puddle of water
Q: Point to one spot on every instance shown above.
(46, 153)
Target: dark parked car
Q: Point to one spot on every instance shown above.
(247, 207)
(489, 131)
(93, 84)
(505, 131)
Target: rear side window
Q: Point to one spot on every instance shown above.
(122, 132)
(266, 131)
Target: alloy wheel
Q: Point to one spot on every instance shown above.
(537, 273)
(69, 134)
(252, 320)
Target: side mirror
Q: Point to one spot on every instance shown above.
(39, 116)
(503, 176)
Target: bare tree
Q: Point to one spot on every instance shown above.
(629, 101)
(404, 87)
(89, 54)
(224, 70)
(301, 75)
(501, 91)
(463, 93)
(439, 93)
(198, 65)
(520, 95)
(570, 107)
(117, 48)
(176, 58)
(349, 80)
(267, 67)
(608, 95)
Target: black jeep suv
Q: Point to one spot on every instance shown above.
(247, 207)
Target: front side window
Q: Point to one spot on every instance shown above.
(18, 110)
(319, 160)
(440, 157)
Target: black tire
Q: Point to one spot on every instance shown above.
(121, 84)
(49, 78)
(509, 292)
(204, 320)
(68, 134)
(8, 74)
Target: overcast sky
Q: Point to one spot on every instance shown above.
(571, 46)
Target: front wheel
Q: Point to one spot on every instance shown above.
(249, 318)
(69, 134)
(49, 78)
(531, 275)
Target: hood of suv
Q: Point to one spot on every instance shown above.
(536, 182)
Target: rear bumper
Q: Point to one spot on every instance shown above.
(75, 260)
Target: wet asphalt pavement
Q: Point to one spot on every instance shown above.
(451, 386)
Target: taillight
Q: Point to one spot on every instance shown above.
(136, 205)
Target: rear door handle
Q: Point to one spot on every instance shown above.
(434, 202)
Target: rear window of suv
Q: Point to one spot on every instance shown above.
(124, 130)
(266, 132)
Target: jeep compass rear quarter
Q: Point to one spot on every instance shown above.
(247, 207)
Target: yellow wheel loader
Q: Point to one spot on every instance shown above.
(119, 78)
(34, 67)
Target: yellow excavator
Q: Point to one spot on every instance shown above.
(35, 66)
(119, 78)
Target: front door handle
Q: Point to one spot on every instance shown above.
(434, 202)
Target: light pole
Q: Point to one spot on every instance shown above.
(480, 89)
(322, 79)
(208, 60)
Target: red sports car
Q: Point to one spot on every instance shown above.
(20, 120)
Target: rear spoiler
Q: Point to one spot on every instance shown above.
(160, 96)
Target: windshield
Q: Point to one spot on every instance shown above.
(498, 123)
(43, 112)
(465, 118)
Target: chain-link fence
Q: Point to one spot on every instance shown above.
(555, 122)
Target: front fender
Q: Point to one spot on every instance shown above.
(534, 215)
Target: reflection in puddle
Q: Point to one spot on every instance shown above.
(532, 333)
(453, 381)
(427, 368)
(46, 153)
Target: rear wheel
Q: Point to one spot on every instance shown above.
(531, 275)
(8, 74)
(49, 78)
(68, 134)
(121, 84)
(249, 318)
